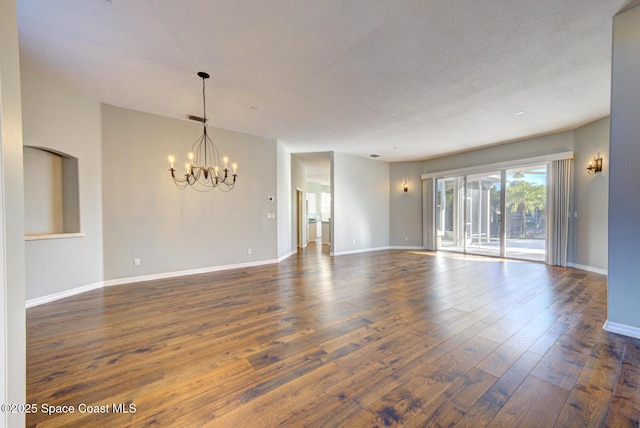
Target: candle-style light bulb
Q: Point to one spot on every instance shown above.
(172, 159)
(235, 167)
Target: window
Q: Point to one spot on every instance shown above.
(325, 206)
(311, 205)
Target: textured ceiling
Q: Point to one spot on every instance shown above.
(406, 79)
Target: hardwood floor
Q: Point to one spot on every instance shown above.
(375, 339)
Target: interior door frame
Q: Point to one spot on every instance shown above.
(300, 215)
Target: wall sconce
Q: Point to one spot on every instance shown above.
(405, 186)
(595, 165)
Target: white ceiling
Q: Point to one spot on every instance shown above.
(406, 79)
(317, 167)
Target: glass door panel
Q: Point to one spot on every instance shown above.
(483, 215)
(449, 215)
(526, 213)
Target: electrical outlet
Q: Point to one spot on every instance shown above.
(136, 261)
(249, 251)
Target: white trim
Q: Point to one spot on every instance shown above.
(62, 294)
(429, 238)
(625, 330)
(368, 250)
(498, 165)
(122, 281)
(165, 275)
(588, 268)
(361, 250)
(286, 256)
(406, 247)
(53, 236)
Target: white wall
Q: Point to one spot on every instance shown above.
(12, 259)
(360, 189)
(58, 118)
(170, 230)
(532, 147)
(624, 203)
(283, 201)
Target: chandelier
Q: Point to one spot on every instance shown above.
(203, 170)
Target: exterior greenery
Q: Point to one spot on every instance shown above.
(528, 202)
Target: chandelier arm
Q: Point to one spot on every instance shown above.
(227, 188)
(180, 183)
(176, 179)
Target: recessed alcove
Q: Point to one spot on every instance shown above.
(51, 194)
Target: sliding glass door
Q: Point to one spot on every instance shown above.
(483, 219)
(499, 213)
(449, 214)
(526, 212)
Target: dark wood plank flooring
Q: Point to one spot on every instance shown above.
(404, 338)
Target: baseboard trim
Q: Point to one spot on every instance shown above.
(198, 271)
(286, 256)
(63, 294)
(360, 250)
(588, 268)
(130, 280)
(367, 250)
(623, 329)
